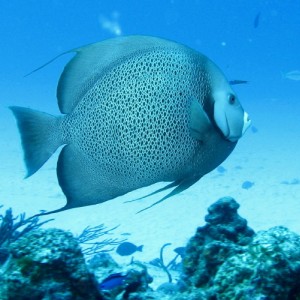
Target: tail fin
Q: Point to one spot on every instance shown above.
(39, 134)
(140, 248)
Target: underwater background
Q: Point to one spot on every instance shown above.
(255, 41)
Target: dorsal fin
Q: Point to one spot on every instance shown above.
(47, 63)
(83, 70)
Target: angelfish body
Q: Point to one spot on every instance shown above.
(136, 110)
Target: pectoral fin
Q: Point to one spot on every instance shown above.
(199, 123)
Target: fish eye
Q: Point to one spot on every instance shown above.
(231, 99)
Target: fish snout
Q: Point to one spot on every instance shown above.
(247, 123)
(233, 136)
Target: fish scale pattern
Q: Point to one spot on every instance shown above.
(133, 122)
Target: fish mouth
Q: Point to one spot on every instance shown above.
(246, 125)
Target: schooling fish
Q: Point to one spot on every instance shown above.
(135, 110)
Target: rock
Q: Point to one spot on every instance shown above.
(168, 288)
(223, 236)
(102, 265)
(135, 278)
(269, 268)
(224, 260)
(46, 264)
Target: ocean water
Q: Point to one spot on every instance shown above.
(256, 41)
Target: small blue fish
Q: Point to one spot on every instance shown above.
(254, 129)
(112, 281)
(126, 233)
(180, 251)
(256, 20)
(247, 185)
(237, 81)
(293, 181)
(127, 248)
(221, 169)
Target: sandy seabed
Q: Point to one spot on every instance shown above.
(269, 158)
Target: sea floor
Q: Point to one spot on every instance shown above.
(268, 157)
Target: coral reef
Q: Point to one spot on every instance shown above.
(135, 278)
(12, 228)
(90, 247)
(172, 265)
(224, 260)
(269, 268)
(46, 264)
(223, 236)
(227, 260)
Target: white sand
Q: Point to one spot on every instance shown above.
(266, 158)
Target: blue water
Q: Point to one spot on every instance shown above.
(33, 32)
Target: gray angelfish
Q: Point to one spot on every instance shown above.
(135, 110)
